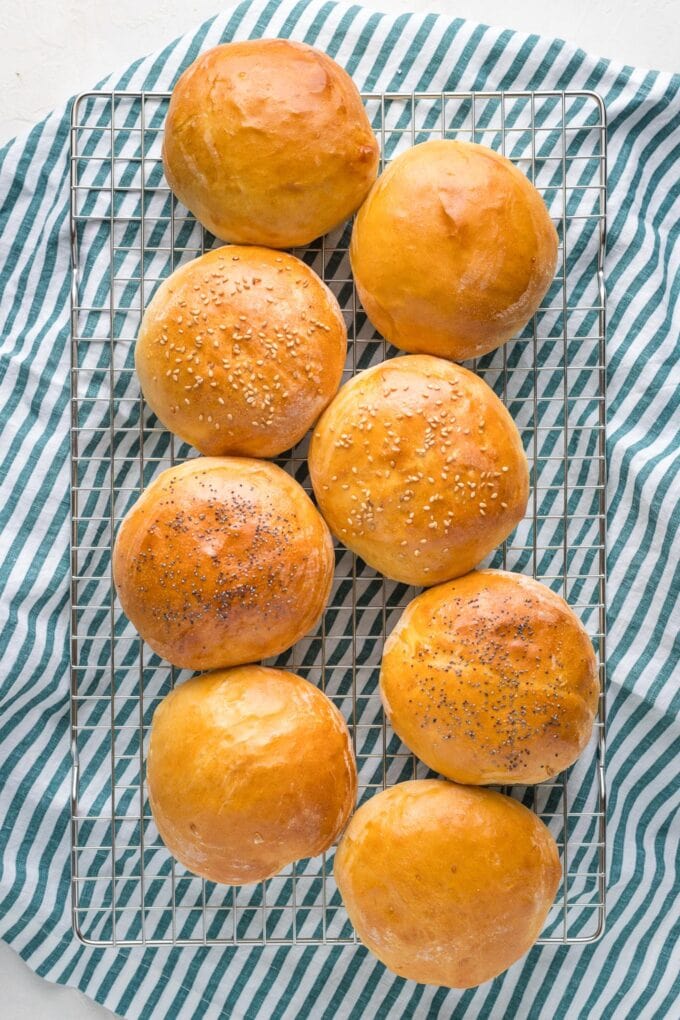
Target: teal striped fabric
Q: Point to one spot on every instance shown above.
(633, 971)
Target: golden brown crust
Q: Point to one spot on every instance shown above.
(240, 350)
(491, 678)
(447, 885)
(452, 251)
(248, 770)
(418, 467)
(267, 142)
(223, 561)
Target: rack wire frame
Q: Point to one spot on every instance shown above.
(127, 233)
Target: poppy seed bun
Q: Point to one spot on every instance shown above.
(267, 142)
(447, 885)
(249, 769)
(452, 251)
(419, 469)
(240, 350)
(221, 561)
(491, 678)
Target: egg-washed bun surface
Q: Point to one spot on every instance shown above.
(221, 561)
(447, 885)
(240, 350)
(452, 251)
(267, 142)
(419, 469)
(491, 678)
(249, 769)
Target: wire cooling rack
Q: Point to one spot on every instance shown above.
(128, 233)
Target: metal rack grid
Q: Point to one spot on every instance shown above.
(127, 234)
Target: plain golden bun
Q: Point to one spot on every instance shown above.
(249, 769)
(221, 561)
(267, 142)
(240, 350)
(447, 885)
(491, 678)
(452, 251)
(419, 469)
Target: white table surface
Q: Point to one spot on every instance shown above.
(51, 50)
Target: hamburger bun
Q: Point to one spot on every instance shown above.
(491, 678)
(419, 469)
(267, 142)
(447, 885)
(240, 350)
(249, 769)
(452, 251)
(221, 561)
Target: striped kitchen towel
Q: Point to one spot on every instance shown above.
(633, 970)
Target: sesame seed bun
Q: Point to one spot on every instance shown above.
(452, 251)
(419, 469)
(447, 885)
(491, 678)
(240, 350)
(223, 561)
(267, 142)
(249, 769)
